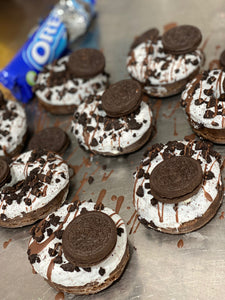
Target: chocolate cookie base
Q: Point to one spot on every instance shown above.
(194, 224)
(58, 109)
(170, 89)
(132, 148)
(94, 287)
(216, 136)
(41, 213)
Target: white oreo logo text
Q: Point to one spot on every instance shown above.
(47, 44)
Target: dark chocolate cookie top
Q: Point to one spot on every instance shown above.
(181, 39)
(4, 171)
(51, 139)
(222, 59)
(86, 63)
(176, 179)
(151, 34)
(89, 239)
(122, 98)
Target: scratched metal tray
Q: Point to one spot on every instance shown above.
(190, 266)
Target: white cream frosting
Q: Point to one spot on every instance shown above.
(19, 171)
(81, 278)
(123, 138)
(17, 127)
(187, 210)
(196, 112)
(84, 87)
(139, 62)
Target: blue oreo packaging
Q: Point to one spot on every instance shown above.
(48, 43)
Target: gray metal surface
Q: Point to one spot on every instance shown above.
(158, 268)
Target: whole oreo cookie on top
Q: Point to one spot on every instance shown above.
(63, 85)
(203, 101)
(122, 98)
(178, 186)
(51, 139)
(86, 63)
(89, 239)
(181, 39)
(81, 248)
(161, 72)
(176, 179)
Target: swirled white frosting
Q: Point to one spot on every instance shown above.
(15, 127)
(20, 168)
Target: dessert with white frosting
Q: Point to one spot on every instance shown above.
(178, 186)
(98, 132)
(204, 103)
(13, 127)
(60, 88)
(81, 248)
(161, 71)
(37, 184)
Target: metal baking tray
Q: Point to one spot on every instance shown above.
(162, 266)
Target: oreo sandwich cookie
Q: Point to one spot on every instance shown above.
(34, 184)
(129, 129)
(62, 85)
(204, 102)
(13, 127)
(181, 39)
(80, 248)
(122, 98)
(51, 139)
(178, 186)
(164, 64)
